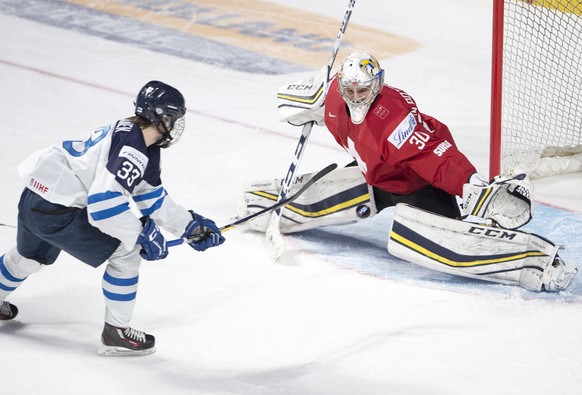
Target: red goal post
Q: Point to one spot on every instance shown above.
(536, 89)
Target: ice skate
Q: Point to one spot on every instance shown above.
(558, 276)
(120, 342)
(7, 311)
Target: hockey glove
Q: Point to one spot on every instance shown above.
(202, 233)
(153, 243)
(507, 201)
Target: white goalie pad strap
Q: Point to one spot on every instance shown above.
(340, 197)
(302, 102)
(476, 251)
(507, 201)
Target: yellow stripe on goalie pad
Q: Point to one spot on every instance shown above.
(302, 99)
(330, 205)
(420, 245)
(470, 249)
(457, 246)
(482, 199)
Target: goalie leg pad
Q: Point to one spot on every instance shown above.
(477, 251)
(340, 197)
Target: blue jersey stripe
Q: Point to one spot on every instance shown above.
(100, 197)
(149, 211)
(151, 195)
(110, 212)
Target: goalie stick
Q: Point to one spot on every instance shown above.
(273, 234)
(280, 203)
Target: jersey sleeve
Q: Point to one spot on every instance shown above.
(108, 207)
(154, 201)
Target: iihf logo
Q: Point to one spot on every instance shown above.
(38, 186)
(381, 112)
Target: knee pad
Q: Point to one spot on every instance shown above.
(123, 263)
(20, 266)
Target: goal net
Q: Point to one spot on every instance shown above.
(536, 117)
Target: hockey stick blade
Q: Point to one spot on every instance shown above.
(316, 177)
(273, 235)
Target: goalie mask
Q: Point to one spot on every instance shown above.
(360, 81)
(164, 106)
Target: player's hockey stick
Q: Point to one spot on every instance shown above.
(273, 234)
(317, 176)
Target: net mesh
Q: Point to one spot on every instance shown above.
(542, 81)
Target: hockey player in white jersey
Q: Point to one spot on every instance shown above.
(77, 199)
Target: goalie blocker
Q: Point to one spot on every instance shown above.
(478, 251)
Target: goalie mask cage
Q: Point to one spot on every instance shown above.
(536, 96)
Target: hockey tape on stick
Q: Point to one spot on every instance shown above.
(317, 176)
(273, 234)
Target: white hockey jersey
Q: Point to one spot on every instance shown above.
(104, 172)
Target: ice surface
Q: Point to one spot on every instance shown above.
(337, 315)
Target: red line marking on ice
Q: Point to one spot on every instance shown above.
(108, 89)
(564, 208)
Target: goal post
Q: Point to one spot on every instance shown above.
(536, 87)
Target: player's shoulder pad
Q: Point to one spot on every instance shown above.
(128, 157)
(136, 157)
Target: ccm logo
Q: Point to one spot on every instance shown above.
(498, 234)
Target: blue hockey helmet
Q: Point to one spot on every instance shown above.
(164, 106)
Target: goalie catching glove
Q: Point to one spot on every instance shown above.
(302, 102)
(506, 200)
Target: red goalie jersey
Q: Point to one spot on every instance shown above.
(399, 149)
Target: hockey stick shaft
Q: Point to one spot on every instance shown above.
(273, 235)
(306, 131)
(290, 177)
(316, 177)
(340, 36)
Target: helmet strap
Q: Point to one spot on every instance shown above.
(162, 131)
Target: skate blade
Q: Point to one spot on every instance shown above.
(111, 351)
(568, 277)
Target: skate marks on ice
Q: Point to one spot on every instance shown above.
(361, 247)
